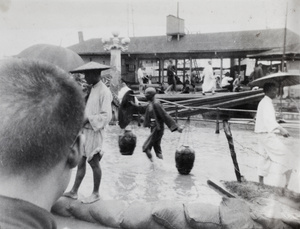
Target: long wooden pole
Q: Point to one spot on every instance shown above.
(218, 121)
(184, 71)
(232, 151)
(284, 39)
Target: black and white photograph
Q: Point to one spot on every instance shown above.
(139, 114)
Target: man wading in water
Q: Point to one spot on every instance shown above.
(155, 118)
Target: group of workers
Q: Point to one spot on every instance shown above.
(210, 81)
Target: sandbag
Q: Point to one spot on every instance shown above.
(202, 215)
(170, 214)
(138, 216)
(184, 158)
(62, 206)
(269, 223)
(273, 214)
(235, 214)
(108, 212)
(82, 211)
(127, 142)
(72, 223)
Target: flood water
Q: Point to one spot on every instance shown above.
(135, 178)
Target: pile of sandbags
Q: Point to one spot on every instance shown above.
(231, 213)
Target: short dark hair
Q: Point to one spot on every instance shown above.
(41, 113)
(269, 86)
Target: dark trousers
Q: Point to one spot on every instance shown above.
(154, 140)
(229, 87)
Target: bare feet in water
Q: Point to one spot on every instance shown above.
(159, 155)
(71, 195)
(149, 155)
(91, 199)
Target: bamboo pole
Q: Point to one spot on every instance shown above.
(139, 119)
(232, 151)
(218, 188)
(176, 113)
(217, 121)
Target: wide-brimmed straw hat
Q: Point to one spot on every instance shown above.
(90, 66)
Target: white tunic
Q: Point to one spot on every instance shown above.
(226, 81)
(140, 76)
(271, 148)
(265, 117)
(123, 91)
(209, 83)
(99, 113)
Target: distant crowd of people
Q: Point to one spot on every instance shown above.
(207, 80)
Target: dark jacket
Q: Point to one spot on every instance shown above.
(16, 214)
(155, 112)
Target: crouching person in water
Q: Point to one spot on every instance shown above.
(155, 118)
(41, 113)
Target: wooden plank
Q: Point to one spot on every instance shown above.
(220, 99)
(219, 189)
(239, 101)
(231, 103)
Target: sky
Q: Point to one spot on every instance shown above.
(24, 23)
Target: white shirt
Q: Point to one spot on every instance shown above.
(209, 82)
(208, 71)
(140, 73)
(265, 117)
(225, 81)
(123, 91)
(98, 106)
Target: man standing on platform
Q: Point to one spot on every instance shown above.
(209, 82)
(141, 76)
(272, 150)
(258, 72)
(171, 77)
(156, 118)
(98, 113)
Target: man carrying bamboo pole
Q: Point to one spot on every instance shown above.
(156, 118)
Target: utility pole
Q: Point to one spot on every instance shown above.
(284, 39)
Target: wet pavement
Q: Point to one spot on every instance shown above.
(132, 178)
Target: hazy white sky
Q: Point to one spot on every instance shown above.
(27, 22)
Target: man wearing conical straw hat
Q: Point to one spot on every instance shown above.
(98, 113)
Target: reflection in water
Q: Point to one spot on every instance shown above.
(185, 185)
(125, 184)
(132, 178)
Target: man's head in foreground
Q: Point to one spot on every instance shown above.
(41, 113)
